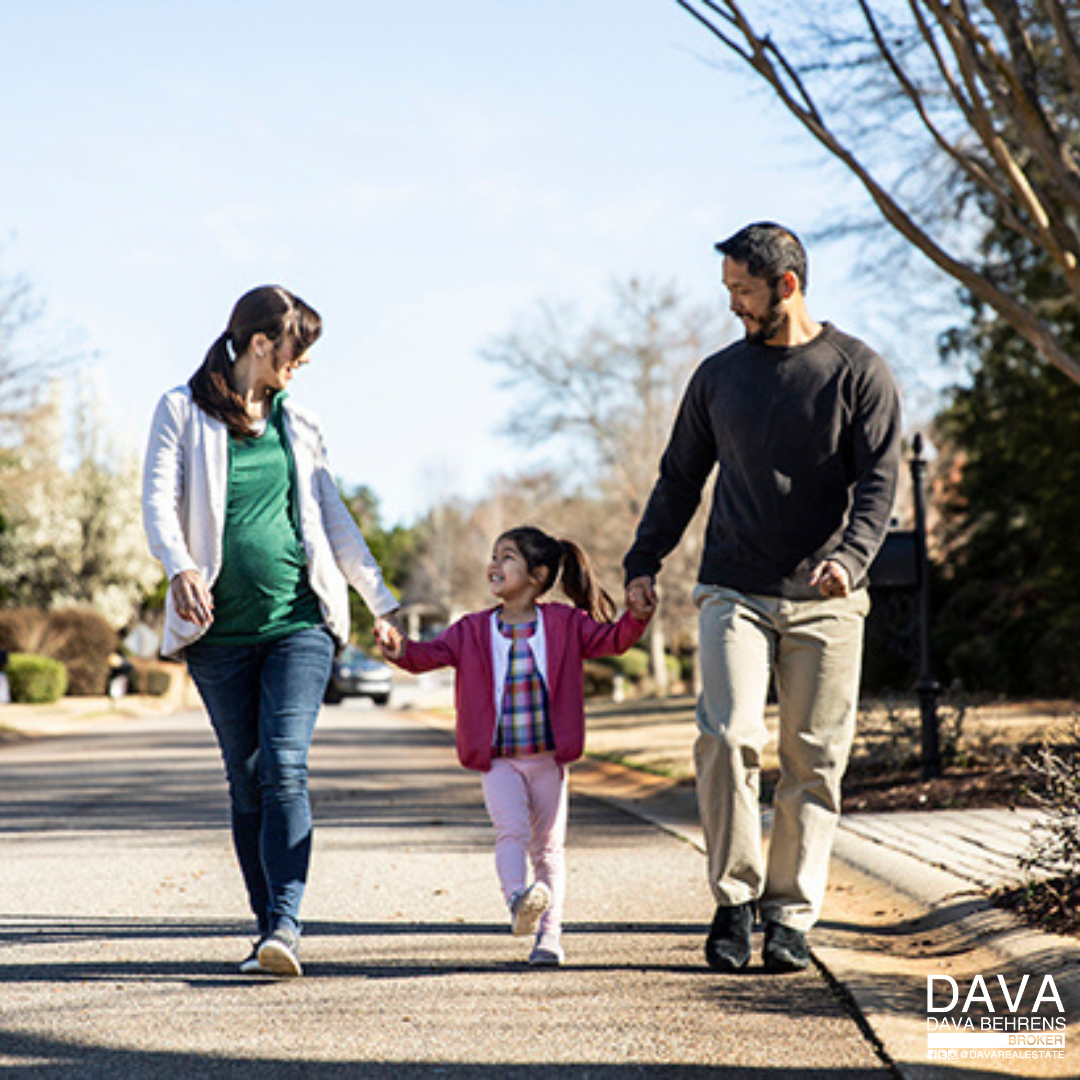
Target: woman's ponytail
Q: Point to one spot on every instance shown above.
(212, 387)
(580, 584)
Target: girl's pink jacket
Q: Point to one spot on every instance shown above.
(571, 637)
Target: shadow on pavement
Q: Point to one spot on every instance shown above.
(25, 1056)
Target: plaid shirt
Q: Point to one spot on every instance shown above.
(524, 723)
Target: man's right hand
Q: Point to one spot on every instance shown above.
(641, 597)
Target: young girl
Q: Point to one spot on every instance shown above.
(521, 710)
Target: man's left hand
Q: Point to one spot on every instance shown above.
(832, 578)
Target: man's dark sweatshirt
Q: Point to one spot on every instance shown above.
(807, 440)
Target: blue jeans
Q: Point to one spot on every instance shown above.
(263, 702)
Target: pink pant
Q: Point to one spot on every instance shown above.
(526, 800)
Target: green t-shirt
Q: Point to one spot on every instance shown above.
(262, 591)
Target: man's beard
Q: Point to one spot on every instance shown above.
(773, 321)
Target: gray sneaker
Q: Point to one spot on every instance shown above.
(279, 954)
(526, 907)
(547, 952)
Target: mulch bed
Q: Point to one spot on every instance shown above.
(955, 789)
(1048, 905)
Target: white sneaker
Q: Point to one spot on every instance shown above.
(526, 907)
(547, 952)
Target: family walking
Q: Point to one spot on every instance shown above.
(801, 424)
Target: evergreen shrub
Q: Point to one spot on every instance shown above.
(36, 680)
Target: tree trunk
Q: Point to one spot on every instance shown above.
(658, 658)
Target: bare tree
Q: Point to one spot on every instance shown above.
(448, 574)
(608, 389)
(31, 352)
(956, 116)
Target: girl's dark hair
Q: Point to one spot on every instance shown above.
(578, 579)
(269, 310)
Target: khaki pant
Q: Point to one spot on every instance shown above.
(813, 649)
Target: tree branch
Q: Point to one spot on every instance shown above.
(1024, 105)
(970, 167)
(729, 42)
(961, 33)
(1070, 47)
(1018, 315)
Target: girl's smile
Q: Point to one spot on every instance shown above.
(508, 575)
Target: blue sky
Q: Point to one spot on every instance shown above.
(422, 173)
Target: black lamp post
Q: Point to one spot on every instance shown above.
(927, 686)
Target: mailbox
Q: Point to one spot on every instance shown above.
(896, 565)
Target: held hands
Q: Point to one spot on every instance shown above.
(192, 598)
(641, 598)
(831, 578)
(390, 635)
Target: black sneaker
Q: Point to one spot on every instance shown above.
(279, 954)
(785, 948)
(727, 948)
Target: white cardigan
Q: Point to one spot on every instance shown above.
(185, 482)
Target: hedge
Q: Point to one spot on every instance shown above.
(150, 677)
(36, 680)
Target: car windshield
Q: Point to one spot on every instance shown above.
(354, 657)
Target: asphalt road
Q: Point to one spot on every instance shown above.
(122, 920)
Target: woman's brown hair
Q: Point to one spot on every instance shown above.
(269, 310)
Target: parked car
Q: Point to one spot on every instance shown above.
(355, 674)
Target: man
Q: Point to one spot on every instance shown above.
(804, 424)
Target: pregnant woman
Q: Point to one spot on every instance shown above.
(243, 512)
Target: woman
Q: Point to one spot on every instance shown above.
(242, 510)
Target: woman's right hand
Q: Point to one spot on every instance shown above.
(192, 598)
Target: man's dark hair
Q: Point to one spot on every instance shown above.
(768, 251)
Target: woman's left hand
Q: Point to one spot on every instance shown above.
(192, 598)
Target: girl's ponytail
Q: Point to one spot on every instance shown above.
(579, 582)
